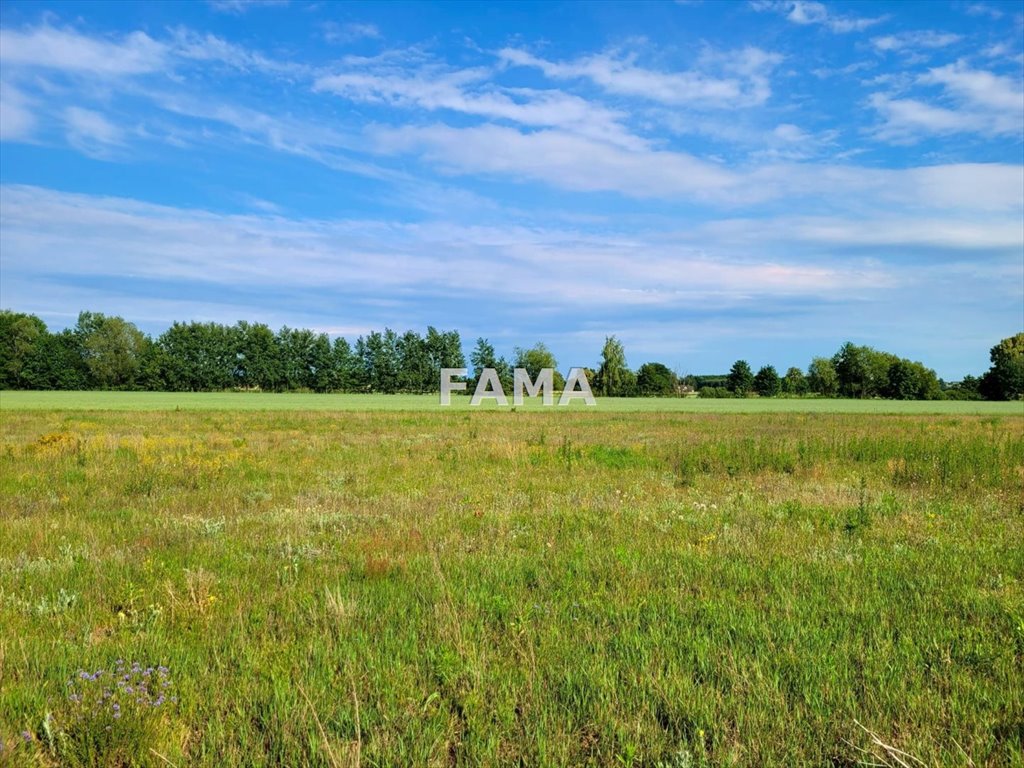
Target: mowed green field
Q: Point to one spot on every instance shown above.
(491, 588)
(256, 401)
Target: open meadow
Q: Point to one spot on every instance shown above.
(535, 587)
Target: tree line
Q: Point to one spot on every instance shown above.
(108, 352)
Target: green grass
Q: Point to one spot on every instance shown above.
(448, 587)
(253, 401)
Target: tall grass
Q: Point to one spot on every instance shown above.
(501, 588)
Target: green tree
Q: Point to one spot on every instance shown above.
(379, 353)
(741, 378)
(613, 376)
(21, 336)
(347, 367)
(822, 378)
(766, 382)
(445, 351)
(655, 380)
(321, 364)
(794, 382)
(904, 383)
(113, 349)
(198, 357)
(968, 388)
(851, 366)
(258, 357)
(536, 358)
(1005, 379)
(415, 367)
(484, 356)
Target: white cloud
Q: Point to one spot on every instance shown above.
(560, 159)
(341, 34)
(17, 122)
(976, 101)
(64, 49)
(199, 47)
(981, 9)
(722, 79)
(576, 163)
(885, 231)
(998, 51)
(980, 89)
(470, 92)
(90, 132)
(807, 12)
(59, 234)
(242, 6)
(911, 41)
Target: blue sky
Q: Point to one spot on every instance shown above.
(706, 180)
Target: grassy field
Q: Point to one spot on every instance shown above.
(254, 401)
(458, 588)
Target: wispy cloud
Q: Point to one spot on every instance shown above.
(91, 132)
(472, 92)
(975, 101)
(914, 41)
(558, 158)
(807, 12)
(191, 45)
(243, 6)
(340, 34)
(47, 47)
(17, 123)
(569, 162)
(55, 233)
(982, 9)
(721, 79)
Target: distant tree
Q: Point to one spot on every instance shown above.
(297, 350)
(57, 363)
(113, 349)
(1005, 379)
(714, 392)
(348, 375)
(879, 363)
(380, 360)
(415, 369)
(444, 349)
(822, 378)
(909, 380)
(851, 366)
(965, 389)
(794, 382)
(766, 382)
(741, 378)
(655, 380)
(484, 356)
(198, 357)
(537, 358)
(321, 364)
(904, 383)
(21, 336)
(258, 357)
(612, 378)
